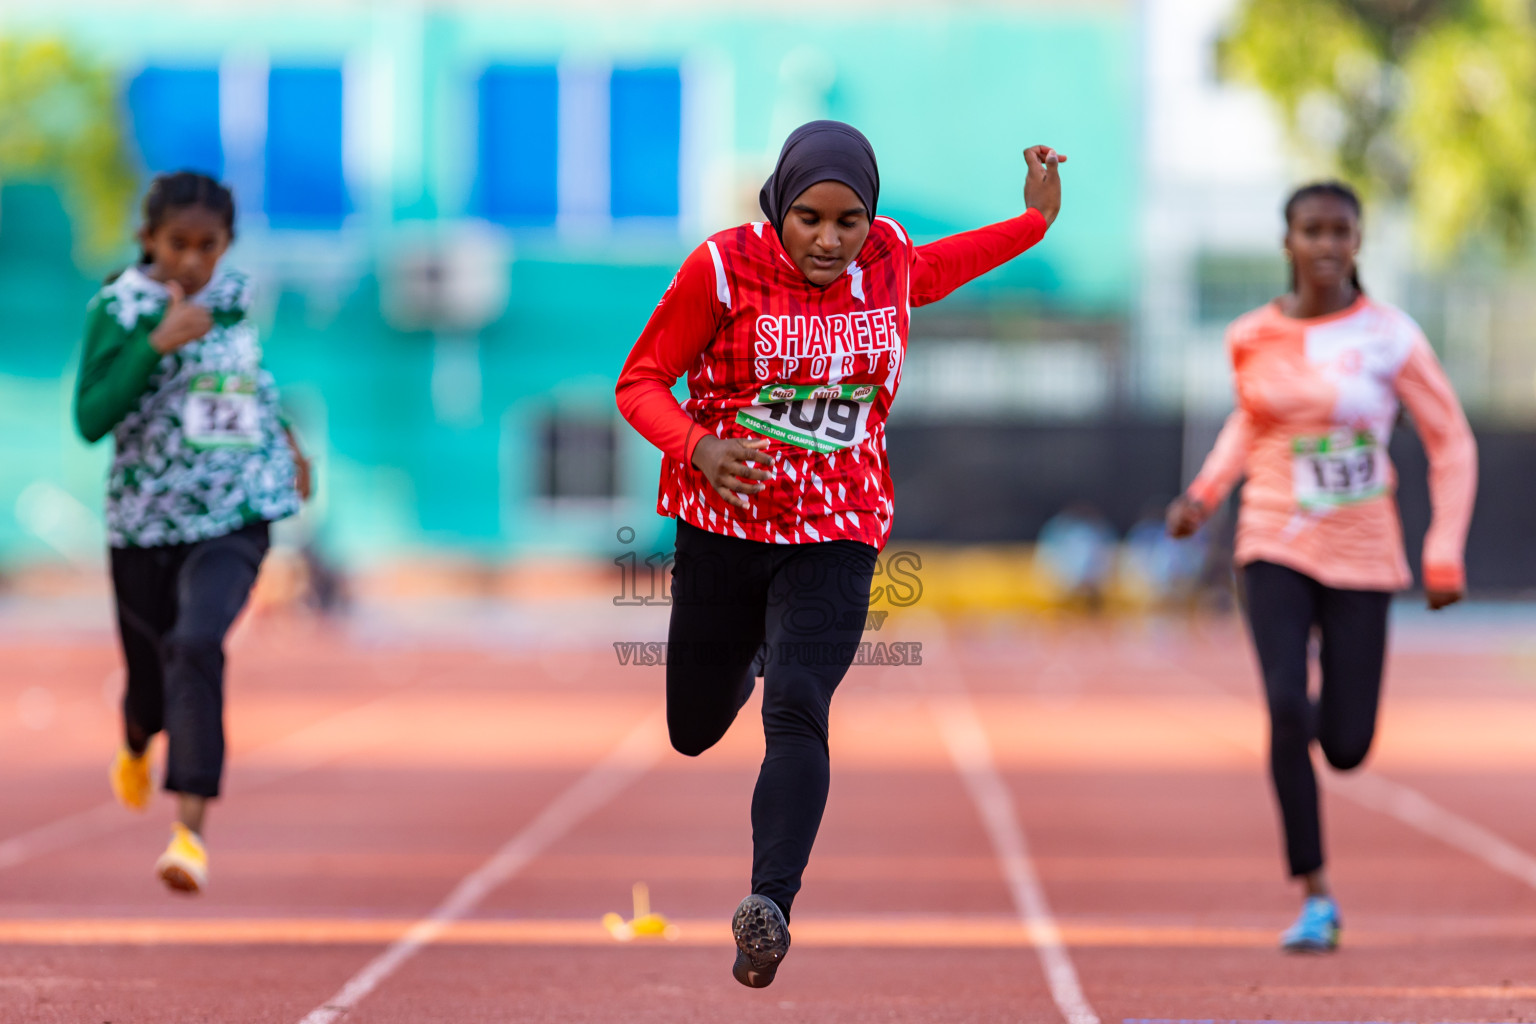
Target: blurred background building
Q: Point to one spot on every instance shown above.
(462, 214)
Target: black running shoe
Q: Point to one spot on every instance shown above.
(762, 939)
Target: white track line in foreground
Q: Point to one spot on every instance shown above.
(1378, 793)
(972, 754)
(605, 780)
(72, 828)
(65, 832)
(1415, 809)
(109, 816)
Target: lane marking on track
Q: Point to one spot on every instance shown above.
(972, 753)
(1212, 1020)
(1412, 991)
(105, 817)
(108, 817)
(63, 832)
(873, 931)
(631, 759)
(1413, 808)
(1396, 800)
(79, 826)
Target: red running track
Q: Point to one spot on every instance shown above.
(1118, 784)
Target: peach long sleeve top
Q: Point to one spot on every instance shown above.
(1316, 402)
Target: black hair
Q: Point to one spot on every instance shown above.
(181, 189)
(1331, 190)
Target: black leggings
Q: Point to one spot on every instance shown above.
(174, 605)
(793, 613)
(1283, 605)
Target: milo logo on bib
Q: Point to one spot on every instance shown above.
(820, 417)
(1340, 468)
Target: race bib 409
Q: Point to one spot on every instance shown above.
(821, 417)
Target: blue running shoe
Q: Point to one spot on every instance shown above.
(1316, 930)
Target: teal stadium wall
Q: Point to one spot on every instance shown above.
(948, 96)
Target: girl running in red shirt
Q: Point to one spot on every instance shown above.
(791, 333)
(1320, 374)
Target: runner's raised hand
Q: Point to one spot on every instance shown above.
(183, 322)
(1437, 599)
(1042, 185)
(1186, 515)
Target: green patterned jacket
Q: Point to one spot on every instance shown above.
(201, 449)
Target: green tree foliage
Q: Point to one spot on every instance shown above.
(61, 122)
(1428, 102)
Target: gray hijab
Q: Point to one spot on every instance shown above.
(820, 151)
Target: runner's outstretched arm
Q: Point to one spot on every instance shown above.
(942, 266)
(1222, 468)
(684, 323)
(114, 369)
(1216, 478)
(1422, 386)
(682, 326)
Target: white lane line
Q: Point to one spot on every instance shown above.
(1413, 808)
(1378, 793)
(108, 817)
(105, 817)
(63, 832)
(972, 754)
(605, 780)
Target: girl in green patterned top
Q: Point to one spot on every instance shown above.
(172, 369)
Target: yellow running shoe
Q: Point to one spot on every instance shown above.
(184, 864)
(130, 779)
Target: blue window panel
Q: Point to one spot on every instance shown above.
(176, 119)
(518, 177)
(306, 184)
(645, 114)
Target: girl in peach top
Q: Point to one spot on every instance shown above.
(1319, 375)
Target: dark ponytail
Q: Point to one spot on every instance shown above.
(1332, 190)
(181, 189)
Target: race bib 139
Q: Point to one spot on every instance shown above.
(1340, 468)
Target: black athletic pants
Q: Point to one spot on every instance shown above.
(174, 605)
(1283, 606)
(798, 611)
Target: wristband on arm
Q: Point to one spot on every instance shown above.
(1444, 577)
(688, 444)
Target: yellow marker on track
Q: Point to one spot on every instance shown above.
(645, 925)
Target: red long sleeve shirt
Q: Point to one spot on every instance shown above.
(769, 354)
